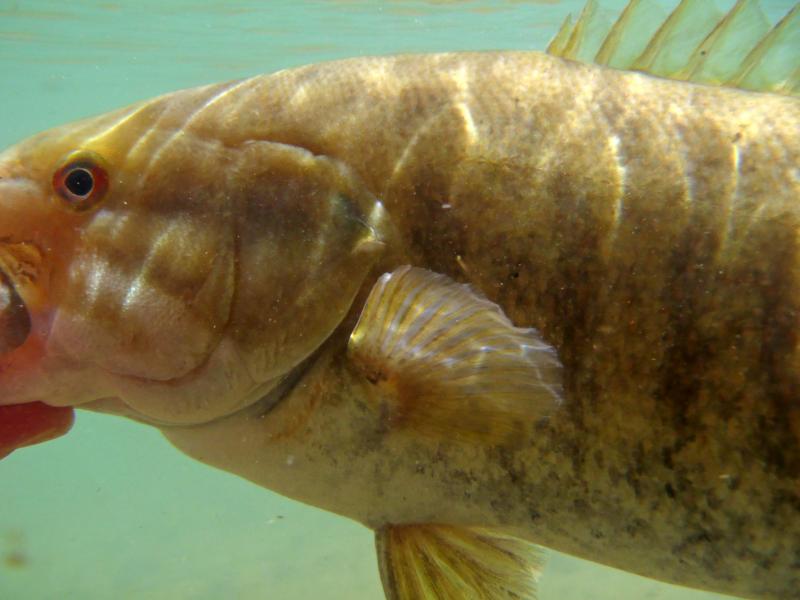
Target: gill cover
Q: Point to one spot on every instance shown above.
(213, 272)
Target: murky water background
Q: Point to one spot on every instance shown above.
(112, 510)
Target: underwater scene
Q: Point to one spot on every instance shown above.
(113, 510)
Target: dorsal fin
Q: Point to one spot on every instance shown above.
(773, 63)
(581, 44)
(696, 42)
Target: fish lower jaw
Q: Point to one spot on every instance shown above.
(114, 405)
(264, 401)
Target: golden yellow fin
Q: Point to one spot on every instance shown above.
(581, 31)
(448, 362)
(694, 43)
(444, 562)
(559, 42)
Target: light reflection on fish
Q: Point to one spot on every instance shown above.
(267, 271)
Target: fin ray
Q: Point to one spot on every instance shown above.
(772, 64)
(621, 47)
(450, 563)
(448, 361)
(673, 43)
(717, 58)
(559, 42)
(696, 43)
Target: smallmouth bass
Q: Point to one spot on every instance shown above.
(645, 228)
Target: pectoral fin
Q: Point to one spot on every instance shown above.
(445, 562)
(448, 362)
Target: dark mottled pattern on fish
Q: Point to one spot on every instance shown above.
(649, 230)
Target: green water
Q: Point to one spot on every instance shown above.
(112, 510)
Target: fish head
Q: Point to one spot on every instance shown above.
(152, 268)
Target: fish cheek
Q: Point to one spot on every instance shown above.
(149, 289)
(305, 243)
(223, 270)
(158, 320)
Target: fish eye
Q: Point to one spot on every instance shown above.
(82, 181)
(79, 182)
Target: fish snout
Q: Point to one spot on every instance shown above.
(20, 283)
(24, 226)
(23, 202)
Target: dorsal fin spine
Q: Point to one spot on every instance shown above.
(754, 59)
(573, 46)
(612, 41)
(693, 44)
(559, 42)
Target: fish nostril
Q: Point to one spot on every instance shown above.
(15, 321)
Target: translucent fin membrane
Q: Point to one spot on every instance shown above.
(449, 362)
(696, 42)
(454, 563)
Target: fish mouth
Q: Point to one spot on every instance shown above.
(21, 255)
(15, 319)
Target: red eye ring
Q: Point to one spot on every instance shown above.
(82, 181)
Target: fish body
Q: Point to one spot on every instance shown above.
(649, 230)
(211, 256)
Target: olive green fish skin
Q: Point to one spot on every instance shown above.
(649, 229)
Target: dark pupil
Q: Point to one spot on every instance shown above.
(79, 182)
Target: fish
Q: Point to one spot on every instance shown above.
(481, 303)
